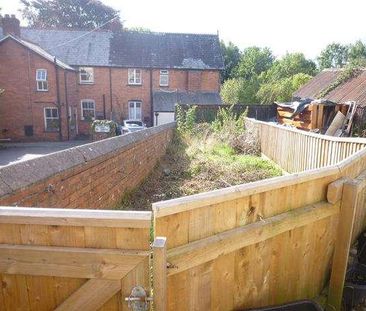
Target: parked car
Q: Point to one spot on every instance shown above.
(130, 126)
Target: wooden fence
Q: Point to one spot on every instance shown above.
(297, 151)
(208, 113)
(251, 245)
(267, 242)
(59, 259)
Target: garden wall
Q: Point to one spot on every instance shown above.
(94, 175)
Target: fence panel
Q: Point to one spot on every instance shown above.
(297, 151)
(267, 242)
(210, 267)
(208, 113)
(71, 259)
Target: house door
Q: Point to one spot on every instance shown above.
(134, 110)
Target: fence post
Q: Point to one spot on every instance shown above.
(342, 245)
(160, 274)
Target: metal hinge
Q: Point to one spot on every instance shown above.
(138, 300)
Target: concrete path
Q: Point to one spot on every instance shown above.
(11, 153)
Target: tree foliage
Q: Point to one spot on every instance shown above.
(282, 90)
(232, 56)
(77, 14)
(335, 55)
(265, 80)
(238, 90)
(357, 53)
(288, 66)
(253, 62)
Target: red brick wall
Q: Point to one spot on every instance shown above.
(189, 80)
(21, 104)
(91, 176)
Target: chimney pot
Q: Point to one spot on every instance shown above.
(11, 25)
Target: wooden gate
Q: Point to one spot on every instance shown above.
(59, 259)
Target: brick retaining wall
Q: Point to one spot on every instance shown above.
(89, 176)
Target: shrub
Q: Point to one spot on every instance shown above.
(186, 119)
(228, 123)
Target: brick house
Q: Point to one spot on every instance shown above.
(65, 78)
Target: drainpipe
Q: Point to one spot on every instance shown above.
(67, 107)
(110, 91)
(151, 98)
(58, 104)
(104, 112)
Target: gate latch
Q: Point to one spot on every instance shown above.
(138, 300)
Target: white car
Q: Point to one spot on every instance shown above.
(130, 126)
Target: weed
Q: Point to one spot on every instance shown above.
(198, 160)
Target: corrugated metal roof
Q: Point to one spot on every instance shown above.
(164, 101)
(354, 89)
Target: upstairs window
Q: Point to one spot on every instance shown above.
(134, 110)
(51, 119)
(86, 75)
(134, 76)
(41, 78)
(164, 77)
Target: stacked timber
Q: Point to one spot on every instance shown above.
(317, 116)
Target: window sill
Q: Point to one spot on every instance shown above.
(51, 131)
(86, 83)
(42, 90)
(93, 119)
(165, 85)
(134, 84)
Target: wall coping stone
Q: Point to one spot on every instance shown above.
(23, 174)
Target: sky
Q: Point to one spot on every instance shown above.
(282, 25)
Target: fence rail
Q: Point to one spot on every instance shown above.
(267, 242)
(251, 245)
(297, 151)
(58, 259)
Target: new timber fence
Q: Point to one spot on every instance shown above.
(251, 245)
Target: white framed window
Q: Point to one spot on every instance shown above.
(41, 78)
(86, 75)
(87, 109)
(164, 78)
(134, 76)
(134, 110)
(51, 119)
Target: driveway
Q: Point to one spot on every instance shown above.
(11, 153)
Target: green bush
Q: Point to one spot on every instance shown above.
(186, 119)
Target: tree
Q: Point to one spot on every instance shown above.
(253, 62)
(288, 66)
(78, 14)
(239, 90)
(231, 55)
(286, 76)
(357, 52)
(335, 55)
(282, 90)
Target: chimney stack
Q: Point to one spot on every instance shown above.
(10, 25)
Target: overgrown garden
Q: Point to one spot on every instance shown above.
(203, 157)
